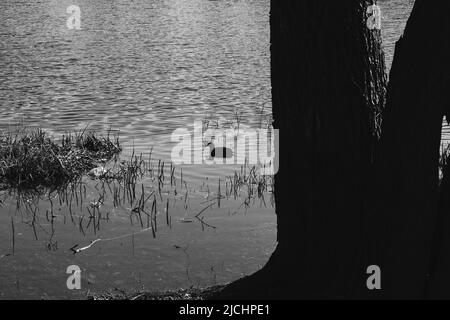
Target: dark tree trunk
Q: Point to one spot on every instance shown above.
(328, 85)
(403, 219)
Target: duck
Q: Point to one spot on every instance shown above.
(219, 152)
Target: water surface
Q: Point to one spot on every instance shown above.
(144, 69)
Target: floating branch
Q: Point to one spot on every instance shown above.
(75, 250)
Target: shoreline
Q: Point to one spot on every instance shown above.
(192, 293)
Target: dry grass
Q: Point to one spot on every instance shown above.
(182, 294)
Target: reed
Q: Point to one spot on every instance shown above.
(31, 158)
(443, 160)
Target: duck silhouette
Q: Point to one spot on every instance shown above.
(219, 152)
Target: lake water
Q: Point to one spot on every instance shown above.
(144, 68)
(394, 15)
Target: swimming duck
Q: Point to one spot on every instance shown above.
(219, 152)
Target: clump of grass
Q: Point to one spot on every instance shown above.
(104, 148)
(30, 159)
(182, 294)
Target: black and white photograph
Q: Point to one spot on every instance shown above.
(215, 151)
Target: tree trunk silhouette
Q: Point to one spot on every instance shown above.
(403, 218)
(328, 88)
(338, 214)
